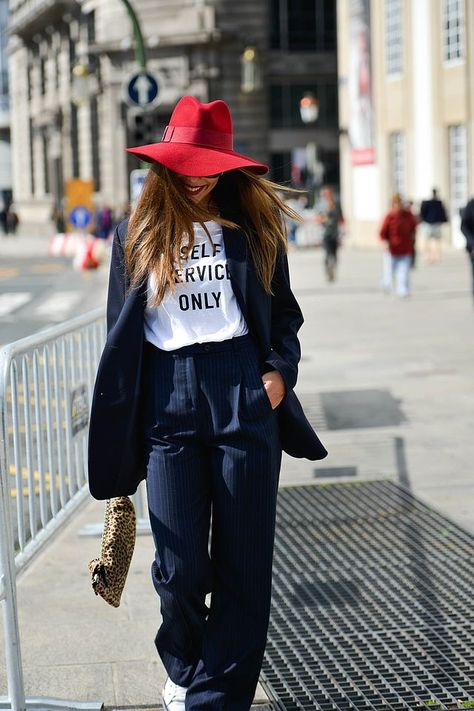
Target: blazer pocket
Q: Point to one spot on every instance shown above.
(105, 398)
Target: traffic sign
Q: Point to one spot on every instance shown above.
(80, 217)
(142, 89)
(79, 204)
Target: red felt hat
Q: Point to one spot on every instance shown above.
(198, 141)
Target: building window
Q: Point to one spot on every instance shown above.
(42, 76)
(285, 104)
(397, 163)
(457, 167)
(32, 159)
(74, 141)
(57, 68)
(453, 30)
(90, 24)
(72, 52)
(29, 80)
(95, 148)
(393, 37)
(47, 182)
(303, 25)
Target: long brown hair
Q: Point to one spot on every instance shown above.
(162, 223)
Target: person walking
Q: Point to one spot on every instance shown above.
(3, 217)
(330, 216)
(398, 236)
(194, 392)
(57, 216)
(12, 220)
(467, 228)
(103, 222)
(433, 216)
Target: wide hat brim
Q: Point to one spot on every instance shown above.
(194, 160)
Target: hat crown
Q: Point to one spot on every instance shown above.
(198, 141)
(191, 113)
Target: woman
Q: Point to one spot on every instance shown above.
(194, 392)
(331, 219)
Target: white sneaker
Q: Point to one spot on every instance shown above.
(173, 696)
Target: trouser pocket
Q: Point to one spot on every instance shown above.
(254, 401)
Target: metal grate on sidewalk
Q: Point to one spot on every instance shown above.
(373, 602)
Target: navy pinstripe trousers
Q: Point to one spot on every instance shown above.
(214, 456)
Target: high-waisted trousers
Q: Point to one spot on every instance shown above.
(214, 456)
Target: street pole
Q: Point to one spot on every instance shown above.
(140, 53)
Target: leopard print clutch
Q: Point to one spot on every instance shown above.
(109, 572)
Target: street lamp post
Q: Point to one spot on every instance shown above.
(140, 52)
(251, 71)
(81, 89)
(309, 112)
(309, 107)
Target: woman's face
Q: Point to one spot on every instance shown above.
(199, 189)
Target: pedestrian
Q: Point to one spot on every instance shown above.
(57, 216)
(298, 204)
(330, 216)
(194, 392)
(103, 222)
(467, 228)
(3, 217)
(409, 207)
(398, 236)
(12, 220)
(433, 216)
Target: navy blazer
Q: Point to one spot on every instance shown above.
(116, 444)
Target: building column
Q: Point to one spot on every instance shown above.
(470, 97)
(112, 139)
(423, 111)
(19, 126)
(85, 156)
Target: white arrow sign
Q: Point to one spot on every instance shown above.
(142, 86)
(142, 90)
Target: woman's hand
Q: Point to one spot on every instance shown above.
(275, 387)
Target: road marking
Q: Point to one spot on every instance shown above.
(58, 305)
(47, 268)
(11, 301)
(9, 272)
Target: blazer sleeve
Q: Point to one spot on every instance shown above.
(117, 280)
(467, 224)
(286, 320)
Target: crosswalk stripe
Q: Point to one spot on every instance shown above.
(10, 301)
(58, 305)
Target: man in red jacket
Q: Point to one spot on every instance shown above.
(398, 235)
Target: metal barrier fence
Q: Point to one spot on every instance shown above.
(46, 383)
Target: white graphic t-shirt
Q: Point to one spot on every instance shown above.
(203, 306)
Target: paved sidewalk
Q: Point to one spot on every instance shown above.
(410, 358)
(415, 355)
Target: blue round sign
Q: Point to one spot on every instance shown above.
(142, 89)
(80, 217)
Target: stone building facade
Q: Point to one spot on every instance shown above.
(193, 47)
(5, 157)
(416, 102)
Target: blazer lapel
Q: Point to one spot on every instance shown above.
(235, 244)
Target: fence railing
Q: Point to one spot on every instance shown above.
(46, 383)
